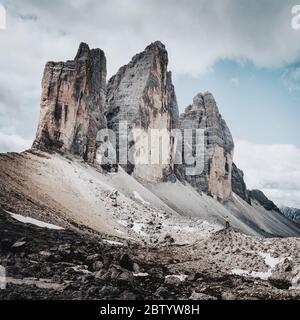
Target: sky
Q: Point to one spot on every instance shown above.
(245, 52)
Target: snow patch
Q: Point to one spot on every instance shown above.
(139, 197)
(181, 277)
(113, 242)
(34, 221)
(39, 283)
(269, 261)
(141, 274)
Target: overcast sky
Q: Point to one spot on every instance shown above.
(244, 52)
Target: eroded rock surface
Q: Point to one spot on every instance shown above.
(260, 197)
(142, 94)
(238, 184)
(215, 179)
(72, 104)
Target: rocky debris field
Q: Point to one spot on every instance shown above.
(43, 263)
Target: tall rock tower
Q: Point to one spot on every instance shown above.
(215, 179)
(142, 94)
(72, 104)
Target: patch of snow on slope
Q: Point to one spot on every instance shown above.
(138, 197)
(39, 283)
(269, 261)
(141, 274)
(34, 221)
(181, 277)
(117, 243)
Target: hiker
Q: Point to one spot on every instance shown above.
(227, 222)
(114, 196)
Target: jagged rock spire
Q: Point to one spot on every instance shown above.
(72, 104)
(142, 93)
(215, 179)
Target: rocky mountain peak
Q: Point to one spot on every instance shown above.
(142, 94)
(83, 51)
(158, 48)
(216, 176)
(156, 45)
(72, 104)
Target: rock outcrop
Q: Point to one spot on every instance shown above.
(72, 104)
(238, 184)
(215, 178)
(142, 94)
(260, 197)
(291, 213)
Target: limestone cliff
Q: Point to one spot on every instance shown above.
(238, 184)
(72, 104)
(142, 94)
(215, 179)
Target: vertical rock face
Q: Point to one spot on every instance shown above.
(142, 94)
(238, 184)
(218, 152)
(291, 213)
(72, 104)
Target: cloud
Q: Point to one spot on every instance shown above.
(13, 143)
(197, 33)
(272, 168)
